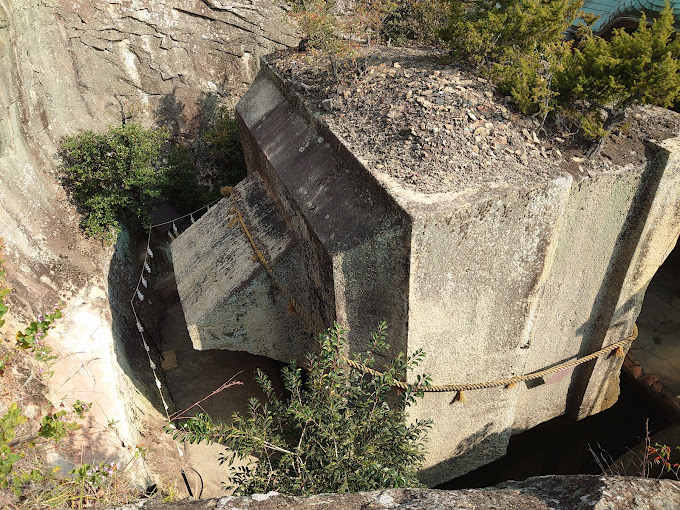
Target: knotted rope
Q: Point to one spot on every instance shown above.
(312, 326)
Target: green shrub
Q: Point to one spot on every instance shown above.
(225, 146)
(518, 43)
(337, 431)
(182, 188)
(114, 173)
(601, 78)
(128, 171)
(591, 80)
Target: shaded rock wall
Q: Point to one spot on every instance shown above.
(67, 66)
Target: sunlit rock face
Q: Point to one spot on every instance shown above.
(69, 66)
(533, 263)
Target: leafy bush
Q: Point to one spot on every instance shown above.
(122, 173)
(590, 80)
(225, 146)
(114, 173)
(338, 430)
(487, 31)
(182, 188)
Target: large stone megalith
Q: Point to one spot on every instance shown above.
(510, 271)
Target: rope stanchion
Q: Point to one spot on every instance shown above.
(508, 383)
(142, 283)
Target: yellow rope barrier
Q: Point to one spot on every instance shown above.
(511, 381)
(310, 323)
(313, 327)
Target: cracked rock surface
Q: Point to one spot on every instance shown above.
(578, 492)
(67, 66)
(71, 65)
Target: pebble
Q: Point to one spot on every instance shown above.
(452, 118)
(636, 371)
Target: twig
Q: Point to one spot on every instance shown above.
(597, 459)
(228, 384)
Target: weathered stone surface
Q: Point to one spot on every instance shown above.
(67, 66)
(540, 493)
(229, 300)
(499, 278)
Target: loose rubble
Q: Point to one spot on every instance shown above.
(437, 127)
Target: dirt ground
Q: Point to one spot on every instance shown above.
(196, 375)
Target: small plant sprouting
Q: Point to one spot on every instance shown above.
(32, 338)
(4, 290)
(81, 408)
(56, 426)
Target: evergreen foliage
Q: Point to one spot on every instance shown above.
(601, 78)
(125, 173)
(589, 80)
(338, 430)
(113, 173)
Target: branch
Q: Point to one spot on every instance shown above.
(180, 414)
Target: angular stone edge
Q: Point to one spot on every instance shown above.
(578, 492)
(654, 237)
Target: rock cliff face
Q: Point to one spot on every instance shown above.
(67, 66)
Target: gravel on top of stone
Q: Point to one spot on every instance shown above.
(440, 128)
